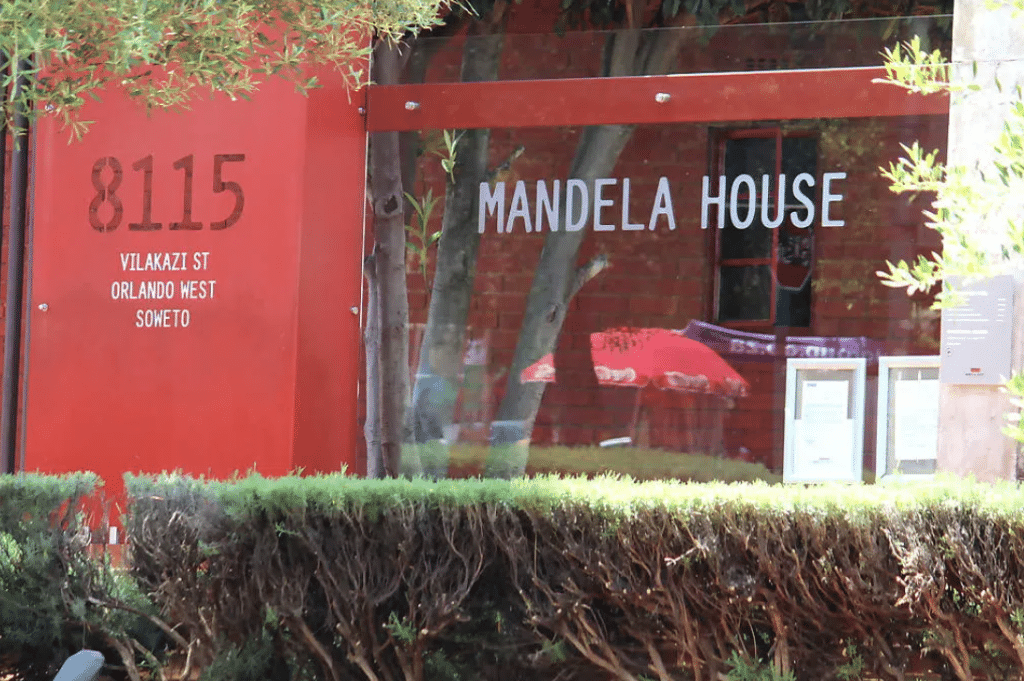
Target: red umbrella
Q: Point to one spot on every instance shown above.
(661, 357)
(664, 358)
(541, 371)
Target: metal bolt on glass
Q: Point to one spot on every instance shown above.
(662, 97)
(412, 106)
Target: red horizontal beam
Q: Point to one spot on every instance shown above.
(704, 97)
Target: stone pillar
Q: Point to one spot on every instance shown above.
(971, 417)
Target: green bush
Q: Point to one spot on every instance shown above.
(40, 547)
(56, 599)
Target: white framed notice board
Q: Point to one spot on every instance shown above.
(824, 436)
(907, 436)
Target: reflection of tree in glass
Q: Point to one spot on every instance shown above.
(557, 276)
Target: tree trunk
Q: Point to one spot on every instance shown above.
(438, 374)
(389, 256)
(557, 278)
(371, 345)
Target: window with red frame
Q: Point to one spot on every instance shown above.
(763, 274)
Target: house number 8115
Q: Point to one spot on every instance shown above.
(107, 184)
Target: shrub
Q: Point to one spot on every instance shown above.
(55, 599)
(589, 579)
(41, 544)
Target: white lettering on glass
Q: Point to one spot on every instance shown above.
(628, 226)
(827, 197)
(780, 203)
(518, 209)
(492, 201)
(706, 200)
(575, 195)
(734, 201)
(548, 204)
(600, 203)
(662, 206)
(744, 200)
(798, 194)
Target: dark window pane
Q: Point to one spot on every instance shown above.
(753, 242)
(754, 156)
(744, 293)
(799, 155)
(793, 308)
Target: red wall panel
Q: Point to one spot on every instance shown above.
(257, 369)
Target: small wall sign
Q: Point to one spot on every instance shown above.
(976, 335)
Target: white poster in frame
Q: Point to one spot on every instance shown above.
(824, 429)
(907, 435)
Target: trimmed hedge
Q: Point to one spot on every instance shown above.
(340, 578)
(551, 578)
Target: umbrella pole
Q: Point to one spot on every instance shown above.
(636, 415)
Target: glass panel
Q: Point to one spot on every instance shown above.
(585, 323)
(745, 293)
(753, 242)
(799, 155)
(754, 156)
(793, 308)
(738, 47)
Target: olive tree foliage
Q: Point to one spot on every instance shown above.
(164, 52)
(977, 209)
